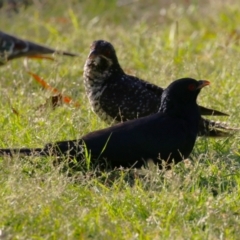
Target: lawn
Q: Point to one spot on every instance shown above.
(158, 41)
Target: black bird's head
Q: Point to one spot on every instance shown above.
(181, 93)
(103, 56)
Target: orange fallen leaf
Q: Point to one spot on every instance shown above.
(45, 85)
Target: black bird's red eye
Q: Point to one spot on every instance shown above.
(191, 87)
(107, 53)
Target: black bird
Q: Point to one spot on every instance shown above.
(117, 97)
(169, 134)
(12, 47)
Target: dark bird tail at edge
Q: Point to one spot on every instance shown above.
(211, 112)
(215, 129)
(40, 49)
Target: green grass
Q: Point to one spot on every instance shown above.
(159, 42)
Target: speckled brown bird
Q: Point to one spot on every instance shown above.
(12, 47)
(167, 135)
(117, 97)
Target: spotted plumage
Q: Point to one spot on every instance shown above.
(12, 47)
(115, 96)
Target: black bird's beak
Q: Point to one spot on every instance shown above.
(202, 83)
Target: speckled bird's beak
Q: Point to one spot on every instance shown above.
(93, 54)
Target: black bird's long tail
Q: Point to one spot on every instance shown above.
(24, 152)
(71, 148)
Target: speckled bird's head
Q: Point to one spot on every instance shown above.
(102, 54)
(102, 62)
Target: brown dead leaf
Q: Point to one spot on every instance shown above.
(45, 85)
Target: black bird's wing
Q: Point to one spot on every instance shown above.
(146, 138)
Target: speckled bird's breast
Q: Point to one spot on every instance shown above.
(94, 83)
